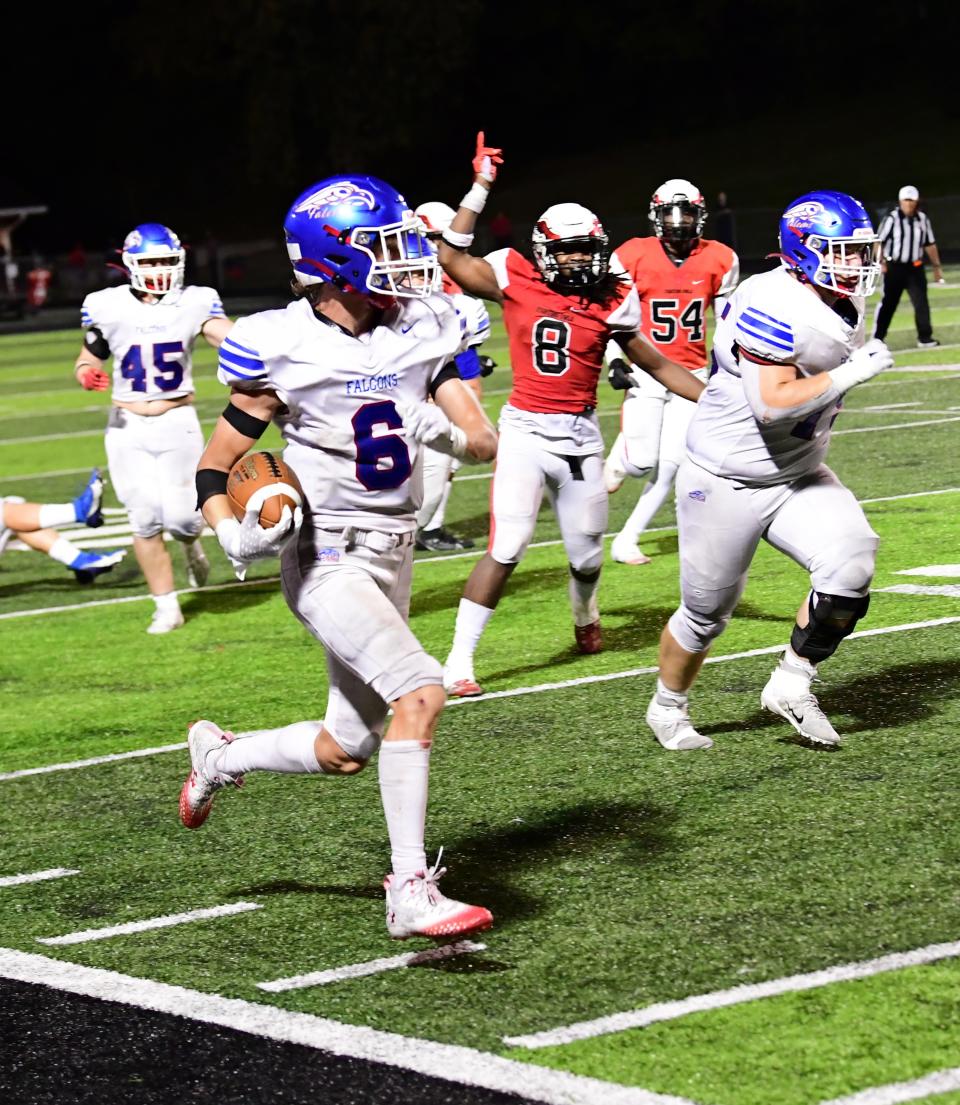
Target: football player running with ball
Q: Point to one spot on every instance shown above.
(678, 274)
(153, 438)
(788, 346)
(559, 314)
(345, 371)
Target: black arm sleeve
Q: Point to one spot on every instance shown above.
(448, 372)
(96, 343)
(246, 424)
(210, 482)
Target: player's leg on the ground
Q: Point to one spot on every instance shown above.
(515, 496)
(20, 516)
(578, 496)
(841, 570)
(719, 533)
(85, 564)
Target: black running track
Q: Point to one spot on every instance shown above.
(58, 1048)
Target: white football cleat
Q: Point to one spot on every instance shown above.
(165, 621)
(417, 908)
(625, 551)
(198, 567)
(613, 471)
(790, 696)
(672, 727)
(196, 794)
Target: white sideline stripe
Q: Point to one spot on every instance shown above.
(167, 921)
(721, 999)
(609, 677)
(949, 570)
(38, 876)
(947, 590)
(93, 761)
(371, 967)
(472, 553)
(135, 598)
(448, 1062)
(942, 1081)
(582, 681)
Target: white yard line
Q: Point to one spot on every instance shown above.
(721, 999)
(949, 570)
(168, 921)
(945, 590)
(371, 967)
(896, 426)
(448, 1062)
(516, 692)
(942, 1081)
(38, 876)
(45, 475)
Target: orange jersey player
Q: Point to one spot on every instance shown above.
(560, 311)
(678, 275)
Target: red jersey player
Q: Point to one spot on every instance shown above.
(559, 314)
(678, 274)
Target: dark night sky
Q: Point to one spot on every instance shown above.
(212, 115)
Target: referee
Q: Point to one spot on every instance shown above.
(905, 235)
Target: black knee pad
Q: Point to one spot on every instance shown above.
(585, 576)
(832, 617)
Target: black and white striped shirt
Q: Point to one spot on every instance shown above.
(903, 239)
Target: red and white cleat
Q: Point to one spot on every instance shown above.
(196, 794)
(417, 908)
(589, 638)
(464, 688)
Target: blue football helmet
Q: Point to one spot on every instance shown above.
(828, 237)
(358, 233)
(155, 259)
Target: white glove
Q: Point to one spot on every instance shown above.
(426, 422)
(864, 363)
(246, 541)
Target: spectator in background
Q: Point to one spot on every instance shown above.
(724, 224)
(501, 228)
(38, 283)
(906, 234)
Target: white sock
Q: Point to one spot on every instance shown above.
(289, 750)
(57, 514)
(64, 551)
(583, 600)
(472, 620)
(440, 515)
(653, 497)
(404, 770)
(666, 697)
(798, 666)
(168, 602)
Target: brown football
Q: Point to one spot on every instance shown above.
(270, 479)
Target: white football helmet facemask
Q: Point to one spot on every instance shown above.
(570, 228)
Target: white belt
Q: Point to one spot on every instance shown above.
(373, 539)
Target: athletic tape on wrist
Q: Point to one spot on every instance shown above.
(476, 199)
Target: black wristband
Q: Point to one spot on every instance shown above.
(210, 482)
(244, 423)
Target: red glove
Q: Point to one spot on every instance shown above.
(92, 378)
(487, 159)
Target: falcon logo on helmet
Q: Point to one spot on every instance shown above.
(342, 193)
(573, 233)
(678, 211)
(828, 239)
(154, 258)
(358, 234)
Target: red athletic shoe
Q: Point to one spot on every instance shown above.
(589, 638)
(196, 795)
(463, 688)
(417, 908)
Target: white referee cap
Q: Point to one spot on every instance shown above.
(908, 192)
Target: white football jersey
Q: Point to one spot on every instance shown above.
(345, 439)
(771, 319)
(151, 343)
